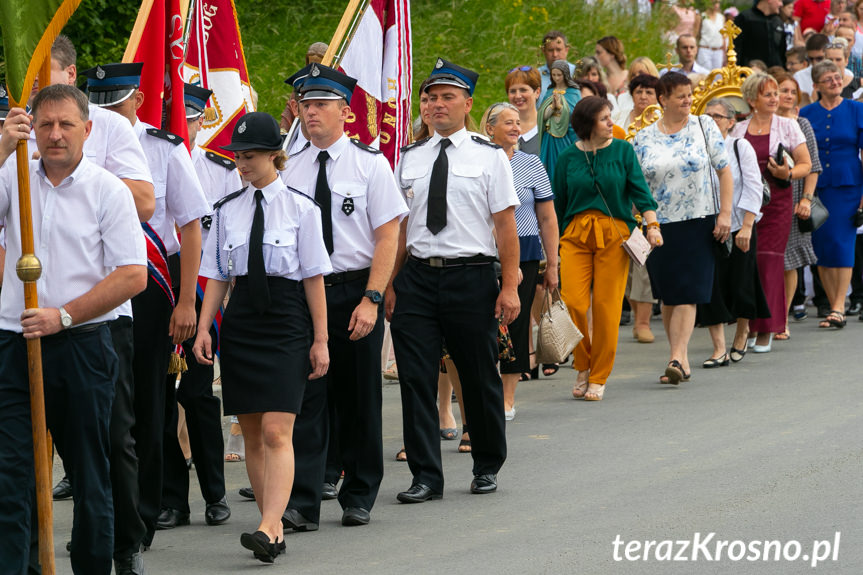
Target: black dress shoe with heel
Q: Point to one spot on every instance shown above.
(293, 519)
(353, 516)
(482, 484)
(129, 563)
(170, 518)
(259, 543)
(247, 492)
(218, 512)
(418, 493)
(63, 489)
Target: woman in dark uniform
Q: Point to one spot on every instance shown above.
(274, 330)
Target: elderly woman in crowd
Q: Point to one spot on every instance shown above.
(642, 88)
(595, 185)
(536, 223)
(767, 131)
(838, 52)
(522, 89)
(737, 295)
(838, 126)
(678, 154)
(798, 252)
(555, 132)
(641, 66)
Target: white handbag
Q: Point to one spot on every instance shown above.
(558, 335)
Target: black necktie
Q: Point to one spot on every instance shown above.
(436, 213)
(258, 288)
(324, 199)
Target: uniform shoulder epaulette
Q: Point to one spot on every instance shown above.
(301, 150)
(221, 160)
(228, 198)
(307, 196)
(416, 144)
(165, 135)
(481, 140)
(365, 147)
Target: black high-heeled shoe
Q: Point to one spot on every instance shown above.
(259, 543)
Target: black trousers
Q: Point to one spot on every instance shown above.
(457, 304)
(79, 373)
(351, 392)
(152, 313)
(519, 329)
(204, 422)
(129, 529)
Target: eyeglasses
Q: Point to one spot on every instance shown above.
(717, 117)
(830, 80)
(521, 69)
(835, 46)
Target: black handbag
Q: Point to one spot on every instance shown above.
(857, 218)
(818, 214)
(721, 250)
(781, 152)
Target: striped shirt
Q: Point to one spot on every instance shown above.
(532, 185)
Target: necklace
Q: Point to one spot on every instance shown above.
(667, 130)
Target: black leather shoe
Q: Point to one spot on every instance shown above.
(855, 309)
(63, 489)
(418, 493)
(293, 519)
(218, 512)
(247, 492)
(129, 564)
(355, 516)
(170, 518)
(329, 492)
(259, 544)
(484, 483)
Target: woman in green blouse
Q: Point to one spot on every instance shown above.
(596, 182)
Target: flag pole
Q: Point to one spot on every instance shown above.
(346, 26)
(29, 269)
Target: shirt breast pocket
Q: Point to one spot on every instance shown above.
(349, 198)
(280, 251)
(463, 183)
(411, 176)
(236, 251)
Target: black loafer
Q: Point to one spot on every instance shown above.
(247, 492)
(484, 483)
(355, 516)
(170, 518)
(259, 544)
(293, 519)
(329, 492)
(129, 564)
(418, 493)
(63, 489)
(218, 512)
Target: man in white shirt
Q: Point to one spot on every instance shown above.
(93, 259)
(687, 52)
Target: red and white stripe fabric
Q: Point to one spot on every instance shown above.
(379, 56)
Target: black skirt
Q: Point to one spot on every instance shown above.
(681, 270)
(737, 289)
(265, 357)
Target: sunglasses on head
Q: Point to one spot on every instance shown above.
(521, 69)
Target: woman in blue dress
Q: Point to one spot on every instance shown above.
(555, 132)
(838, 126)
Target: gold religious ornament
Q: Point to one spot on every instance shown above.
(723, 82)
(669, 66)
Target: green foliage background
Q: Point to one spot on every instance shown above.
(489, 36)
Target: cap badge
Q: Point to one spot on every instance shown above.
(242, 128)
(100, 73)
(315, 72)
(439, 64)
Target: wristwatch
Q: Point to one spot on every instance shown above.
(374, 296)
(65, 319)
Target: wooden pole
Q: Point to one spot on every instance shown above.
(341, 31)
(28, 269)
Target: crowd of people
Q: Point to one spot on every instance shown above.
(326, 255)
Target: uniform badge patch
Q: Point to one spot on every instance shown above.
(242, 128)
(348, 206)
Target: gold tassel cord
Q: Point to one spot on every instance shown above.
(177, 364)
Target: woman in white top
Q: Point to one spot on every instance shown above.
(711, 44)
(269, 240)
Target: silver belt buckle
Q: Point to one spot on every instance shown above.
(436, 262)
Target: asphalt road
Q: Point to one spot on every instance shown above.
(765, 450)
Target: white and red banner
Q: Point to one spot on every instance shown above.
(215, 60)
(157, 41)
(379, 56)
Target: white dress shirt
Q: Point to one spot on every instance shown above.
(748, 190)
(179, 197)
(364, 196)
(217, 180)
(293, 240)
(479, 184)
(82, 229)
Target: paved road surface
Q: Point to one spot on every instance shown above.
(768, 449)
